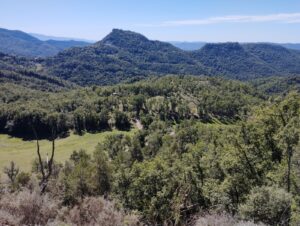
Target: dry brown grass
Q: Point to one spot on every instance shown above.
(31, 208)
(223, 220)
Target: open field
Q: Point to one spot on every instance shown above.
(24, 152)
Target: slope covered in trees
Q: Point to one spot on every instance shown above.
(277, 85)
(95, 109)
(206, 145)
(24, 72)
(125, 56)
(232, 60)
(128, 56)
(121, 56)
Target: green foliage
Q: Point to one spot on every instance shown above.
(103, 172)
(121, 121)
(101, 108)
(277, 85)
(269, 205)
(85, 176)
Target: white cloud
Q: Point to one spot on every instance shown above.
(280, 18)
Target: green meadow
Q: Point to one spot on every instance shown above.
(24, 152)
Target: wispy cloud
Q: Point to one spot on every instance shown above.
(280, 18)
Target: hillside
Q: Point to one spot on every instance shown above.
(284, 61)
(223, 138)
(277, 85)
(121, 56)
(124, 56)
(96, 109)
(24, 72)
(23, 44)
(233, 61)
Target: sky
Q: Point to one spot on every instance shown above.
(166, 20)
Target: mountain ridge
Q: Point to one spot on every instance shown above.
(125, 55)
(15, 42)
(191, 46)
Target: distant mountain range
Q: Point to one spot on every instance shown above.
(295, 46)
(23, 44)
(190, 46)
(126, 56)
(43, 37)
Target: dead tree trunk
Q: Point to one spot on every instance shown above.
(46, 173)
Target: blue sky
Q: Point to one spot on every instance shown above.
(172, 20)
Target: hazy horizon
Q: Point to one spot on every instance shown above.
(214, 21)
(44, 37)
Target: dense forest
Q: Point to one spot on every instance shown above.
(96, 108)
(20, 70)
(207, 151)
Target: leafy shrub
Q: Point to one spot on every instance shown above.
(269, 205)
(122, 121)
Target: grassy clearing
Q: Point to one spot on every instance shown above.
(24, 152)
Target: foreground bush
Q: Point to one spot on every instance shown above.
(7, 218)
(97, 211)
(31, 208)
(27, 208)
(269, 205)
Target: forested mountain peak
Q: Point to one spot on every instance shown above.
(121, 56)
(134, 42)
(118, 36)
